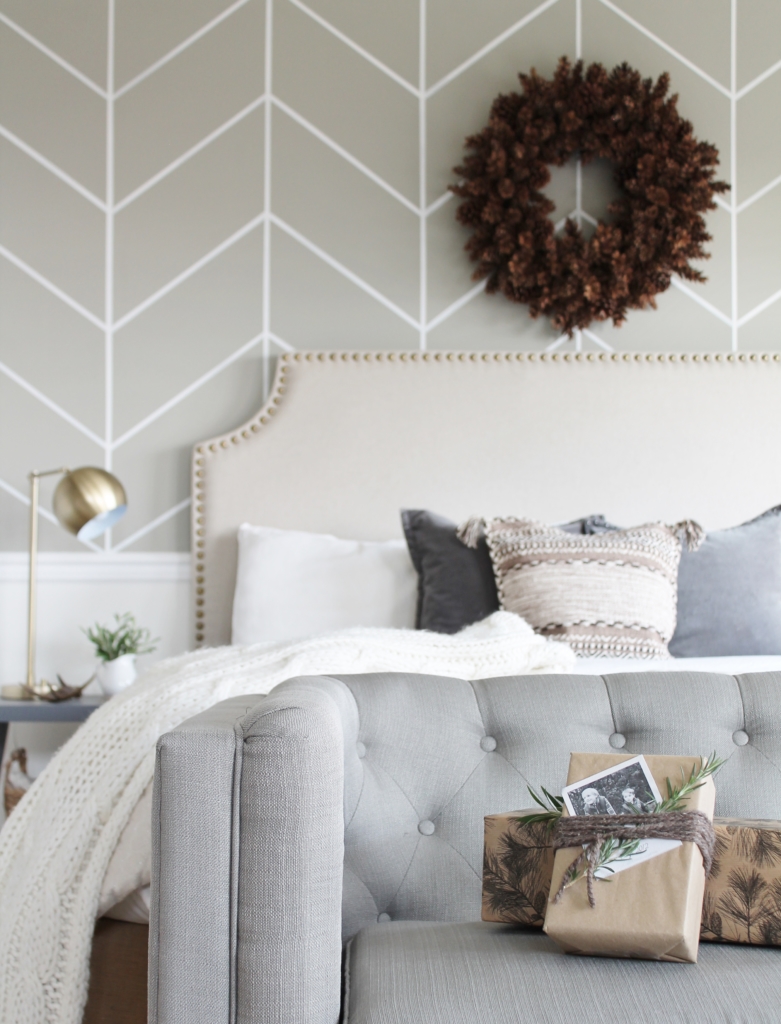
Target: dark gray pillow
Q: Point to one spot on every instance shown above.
(456, 584)
(729, 592)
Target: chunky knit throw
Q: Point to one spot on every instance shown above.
(55, 848)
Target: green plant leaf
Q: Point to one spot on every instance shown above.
(678, 795)
(126, 638)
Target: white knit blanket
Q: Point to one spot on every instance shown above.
(56, 846)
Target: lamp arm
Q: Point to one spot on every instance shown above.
(31, 589)
(34, 477)
(86, 502)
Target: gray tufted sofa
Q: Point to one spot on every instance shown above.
(319, 851)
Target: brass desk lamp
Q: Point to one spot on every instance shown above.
(87, 502)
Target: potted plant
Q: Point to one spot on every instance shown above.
(117, 649)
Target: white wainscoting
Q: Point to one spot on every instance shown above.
(77, 590)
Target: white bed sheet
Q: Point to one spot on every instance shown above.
(732, 665)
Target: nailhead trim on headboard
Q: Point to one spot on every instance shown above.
(200, 454)
(210, 448)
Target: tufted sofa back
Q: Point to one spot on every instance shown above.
(426, 758)
(283, 823)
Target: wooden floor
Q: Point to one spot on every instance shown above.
(117, 986)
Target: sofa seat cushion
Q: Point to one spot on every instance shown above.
(420, 972)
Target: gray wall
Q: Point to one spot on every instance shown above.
(189, 187)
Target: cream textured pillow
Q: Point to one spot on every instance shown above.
(607, 595)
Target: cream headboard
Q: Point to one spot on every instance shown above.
(347, 439)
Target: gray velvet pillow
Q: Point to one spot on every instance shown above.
(729, 592)
(456, 584)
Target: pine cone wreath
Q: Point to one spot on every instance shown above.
(655, 229)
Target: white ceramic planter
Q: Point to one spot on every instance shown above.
(115, 676)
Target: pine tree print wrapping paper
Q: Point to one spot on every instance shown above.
(742, 894)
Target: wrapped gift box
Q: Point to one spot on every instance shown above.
(653, 915)
(650, 911)
(517, 869)
(743, 891)
(742, 894)
(742, 900)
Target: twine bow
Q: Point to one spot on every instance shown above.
(591, 831)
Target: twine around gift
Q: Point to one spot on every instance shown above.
(590, 832)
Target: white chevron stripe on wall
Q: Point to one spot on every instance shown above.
(191, 188)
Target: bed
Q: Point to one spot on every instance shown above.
(346, 439)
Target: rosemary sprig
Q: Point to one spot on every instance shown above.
(552, 809)
(610, 852)
(678, 795)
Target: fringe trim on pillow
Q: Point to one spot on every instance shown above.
(470, 532)
(690, 533)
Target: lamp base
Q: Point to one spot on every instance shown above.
(15, 691)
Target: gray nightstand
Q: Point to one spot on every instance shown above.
(77, 710)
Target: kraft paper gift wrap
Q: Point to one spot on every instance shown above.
(743, 891)
(517, 869)
(650, 911)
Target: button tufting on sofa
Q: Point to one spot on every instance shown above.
(360, 749)
(364, 825)
(488, 744)
(740, 738)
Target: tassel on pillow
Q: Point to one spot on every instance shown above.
(470, 532)
(690, 533)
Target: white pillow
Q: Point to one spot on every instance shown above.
(292, 584)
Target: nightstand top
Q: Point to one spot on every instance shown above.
(76, 710)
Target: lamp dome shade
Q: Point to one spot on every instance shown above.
(88, 501)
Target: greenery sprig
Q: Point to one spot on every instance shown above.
(677, 795)
(552, 809)
(610, 852)
(127, 638)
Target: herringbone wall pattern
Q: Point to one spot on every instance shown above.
(191, 186)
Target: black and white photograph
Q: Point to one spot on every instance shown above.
(627, 788)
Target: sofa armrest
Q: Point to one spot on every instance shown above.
(194, 826)
(247, 863)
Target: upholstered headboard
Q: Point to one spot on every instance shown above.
(347, 439)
